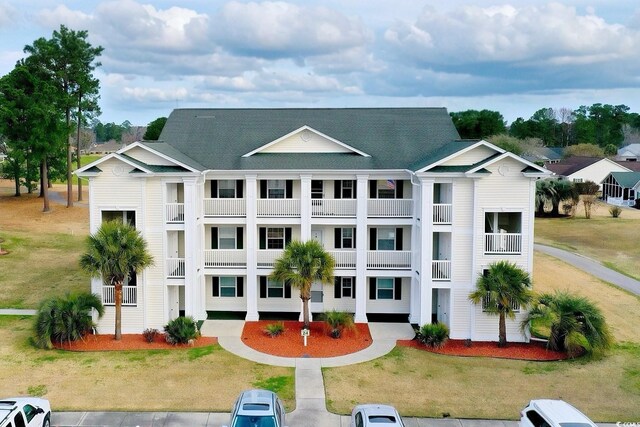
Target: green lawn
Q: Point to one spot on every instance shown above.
(39, 265)
(196, 379)
(612, 241)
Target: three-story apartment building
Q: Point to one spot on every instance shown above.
(411, 214)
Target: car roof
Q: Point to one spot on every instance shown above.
(256, 402)
(371, 410)
(560, 411)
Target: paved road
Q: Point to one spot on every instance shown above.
(592, 267)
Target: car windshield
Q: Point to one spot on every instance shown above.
(254, 421)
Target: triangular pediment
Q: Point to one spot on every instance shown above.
(306, 140)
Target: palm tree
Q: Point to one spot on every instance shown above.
(576, 325)
(113, 252)
(545, 193)
(502, 290)
(300, 265)
(66, 318)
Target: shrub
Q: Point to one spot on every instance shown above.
(67, 318)
(337, 321)
(637, 204)
(274, 329)
(181, 330)
(433, 334)
(150, 334)
(615, 211)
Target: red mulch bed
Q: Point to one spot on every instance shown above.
(521, 351)
(128, 342)
(319, 343)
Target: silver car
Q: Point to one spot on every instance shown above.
(258, 408)
(25, 411)
(375, 415)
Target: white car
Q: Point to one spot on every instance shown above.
(258, 408)
(374, 415)
(552, 413)
(25, 412)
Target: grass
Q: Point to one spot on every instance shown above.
(194, 379)
(613, 241)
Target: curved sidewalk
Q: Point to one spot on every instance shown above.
(591, 266)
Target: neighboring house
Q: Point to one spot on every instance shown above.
(582, 169)
(629, 153)
(106, 147)
(621, 188)
(411, 214)
(545, 155)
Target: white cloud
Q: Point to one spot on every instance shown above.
(62, 15)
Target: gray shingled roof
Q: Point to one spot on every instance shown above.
(396, 138)
(626, 179)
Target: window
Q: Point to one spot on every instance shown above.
(347, 239)
(347, 287)
(346, 189)
(227, 189)
(30, 412)
(486, 303)
(386, 239)
(384, 288)
(127, 217)
(359, 420)
(275, 289)
(227, 286)
(276, 188)
(18, 420)
(227, 238)
(317, 190)
(578, 180)
(536, 419)
(275, 238)
(502, 222)
(386, 188)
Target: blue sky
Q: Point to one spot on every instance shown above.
(515, 57)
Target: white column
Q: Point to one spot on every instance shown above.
(361, 248)
(426, 245)
(190, 246)
(478, 222)
(251, 192)
(305, 207)
(416, 247)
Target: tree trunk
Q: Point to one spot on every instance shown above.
(118, 298)
(304, 295)
(78, 145)
(69, 163)
(502, 334)
(17, 182)
(41, 180)
(45, 189)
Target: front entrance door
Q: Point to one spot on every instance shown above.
(443, 306)
(316, 235)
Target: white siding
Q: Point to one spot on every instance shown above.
(471, 157)
(486, 328)
(147, 157)
(597, 171)
(460, 306)
(155, 236)
(314, 144)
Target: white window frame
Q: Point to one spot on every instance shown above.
(276, 185)
(346, 284)
(275, 285)
(346, 189)
(227, 234)
(393, 238)
(317, 193)
(383, 191)
(227, 185)
(344, 238)
(379, 288)
(276, 238)
(222, 286)
(485, 304)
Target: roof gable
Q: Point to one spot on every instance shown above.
(306, 140)
(626, 179)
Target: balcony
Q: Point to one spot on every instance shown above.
(266, 258)
(174, 213)
(441, 270)
(344, 259)
(129, 295)
(389, 260)
(389, 208)
(442, 213)
(229, 258)
(333, 207)
(225, 207)
(278, 207)
(503, 243)
(175, 268)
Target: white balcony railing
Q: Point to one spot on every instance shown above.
(225, 258)
(175, 268)
(502, 243)
(267, 257)
(389, 259)
(389, 207)
(441, 270)
(442, 213)
(344, 259)
(129, 295)
(279, 207)
(333, 207)
(225, 207)
(175, 212)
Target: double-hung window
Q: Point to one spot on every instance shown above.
(227, 238)
(227, 286)
(317, 189)
(386, 189)
(276, 188)
(346, 287)
(347, 238)
(275, 238)
(386, 239)
(275, 289)
(346, 189)
(384, 288)
(227, 189)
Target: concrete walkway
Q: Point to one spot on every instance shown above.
(17, 312)
(591, 266)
